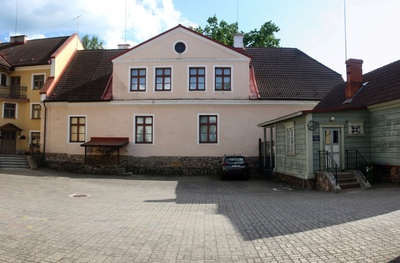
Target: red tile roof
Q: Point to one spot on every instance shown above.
(86, 78)
(380, 85)
(290, 74)
(32, 53)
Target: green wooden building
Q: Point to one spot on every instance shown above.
(350, 139)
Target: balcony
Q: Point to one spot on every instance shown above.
(14, 92)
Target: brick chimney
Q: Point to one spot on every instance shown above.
(354, 76)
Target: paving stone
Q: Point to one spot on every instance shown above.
(190, 219)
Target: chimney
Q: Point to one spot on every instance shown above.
(238, 41)
(354, 76)
(18, 39)
(124, 46)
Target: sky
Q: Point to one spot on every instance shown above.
(316, 27)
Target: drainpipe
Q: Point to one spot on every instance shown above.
(44, 128)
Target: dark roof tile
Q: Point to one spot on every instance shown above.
(290, 74)
(32, 53)
(86, 77)
(380, 85)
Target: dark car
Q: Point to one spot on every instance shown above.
(233, 166)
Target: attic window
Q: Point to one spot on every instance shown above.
(180, 47)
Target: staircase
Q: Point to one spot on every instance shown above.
(14, 161)
(347, 180)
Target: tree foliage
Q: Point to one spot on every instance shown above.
(224, 32)
(92, 43)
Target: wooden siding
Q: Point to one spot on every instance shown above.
(385, 136)
(351, 142)
(296, 164)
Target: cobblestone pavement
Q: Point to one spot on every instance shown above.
(190, 219)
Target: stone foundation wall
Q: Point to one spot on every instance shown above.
(163, 165)
(308, 184)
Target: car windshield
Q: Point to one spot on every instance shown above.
(235, 159)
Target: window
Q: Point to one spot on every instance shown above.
(3, 79)
(77, 129)
(163, 79)
(144, 129)
(35, 138)
(38, 81)
(180, 47)
(36, 111)
(10, 110)
(222, 79)
(289, 127)
(138, 79)
(197, 77)
(208, 129)
(356, 128)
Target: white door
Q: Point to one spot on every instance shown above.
(332, 143)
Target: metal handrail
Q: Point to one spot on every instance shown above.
(355, 161)
(13, 92)
(328, 164)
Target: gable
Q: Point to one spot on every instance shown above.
(162, 47)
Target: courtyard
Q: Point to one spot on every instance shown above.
(53, 216)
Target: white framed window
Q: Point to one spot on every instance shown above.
(197, 78)
(35, 111)
(138, 79)
(3, 79)
(38, 81)
(10, 110)
(290, 139)
(223, 78)
(163, 78)
(356, 128)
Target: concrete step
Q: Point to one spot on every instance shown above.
(14, 161)
(347, 180)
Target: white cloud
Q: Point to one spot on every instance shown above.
(106, 19)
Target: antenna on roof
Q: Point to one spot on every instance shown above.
(16, 17)
(125, 24)
(77, 24)
(345, 31)
(237, 13)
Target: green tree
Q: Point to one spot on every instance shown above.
(224, 32)
(92, 43)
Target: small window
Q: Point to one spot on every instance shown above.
(36, 108)
(289, 128)
(77, 129)
(180, 47)
(144, 129)
(3, 79)
(208, 129)
(163, 79)
(197, 79)
(223, 79)
(35, 138)
(38, 81)
(356, 128)
(10, 110)
(138, 79)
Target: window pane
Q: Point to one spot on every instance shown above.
(139, 137)
(148, 138)
(227, 71)
(74, 137)
(218, 71)
(149, 120)
(139, 120)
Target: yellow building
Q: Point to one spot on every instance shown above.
(26, 67)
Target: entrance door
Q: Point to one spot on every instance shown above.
(332, 143)
(15, 87)
(8, 142)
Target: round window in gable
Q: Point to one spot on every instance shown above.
(180, 47)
